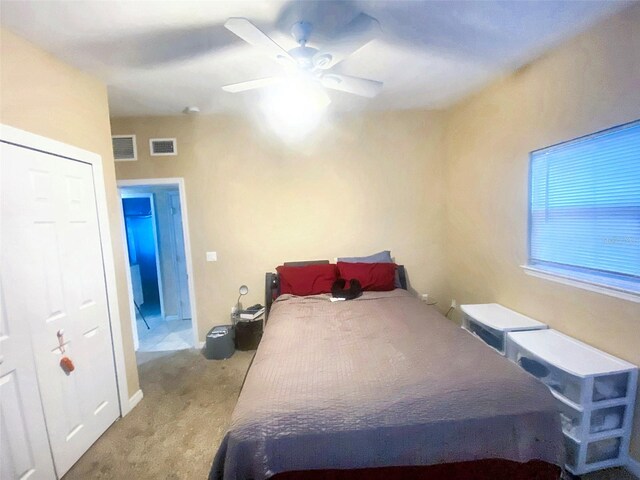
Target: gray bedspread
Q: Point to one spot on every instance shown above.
(383, 380)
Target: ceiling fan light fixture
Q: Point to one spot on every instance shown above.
(294, 108)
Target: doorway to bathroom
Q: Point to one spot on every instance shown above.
(159, 266)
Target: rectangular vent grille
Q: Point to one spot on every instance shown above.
(163, 146)
(124, 148)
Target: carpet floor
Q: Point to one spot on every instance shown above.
(175, 430)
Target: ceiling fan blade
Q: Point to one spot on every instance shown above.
(351, 38)
(358, 86)
(251, 84)
(251, 34)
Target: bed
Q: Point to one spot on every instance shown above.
(384, 387)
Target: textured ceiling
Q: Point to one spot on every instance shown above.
(159, 56)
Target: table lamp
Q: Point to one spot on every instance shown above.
(242, 291)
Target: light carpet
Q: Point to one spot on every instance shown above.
(175, 430)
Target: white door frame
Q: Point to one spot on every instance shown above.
(179, 182)
(154, 227)
(32, 141)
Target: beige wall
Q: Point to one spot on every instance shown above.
(369, 183)
(589, 84)
(42, 95)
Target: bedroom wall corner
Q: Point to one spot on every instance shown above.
(587, 84)
(42, 95)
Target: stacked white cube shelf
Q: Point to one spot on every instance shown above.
(491, 322)
(595, 392)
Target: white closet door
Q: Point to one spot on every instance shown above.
(24, 448)
(53, 274)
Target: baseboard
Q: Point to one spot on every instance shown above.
(633, 466)
(169, 318)
(135, 400)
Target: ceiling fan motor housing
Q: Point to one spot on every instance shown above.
(301, 32)
(307, 57)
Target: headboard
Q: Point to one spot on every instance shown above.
(272, 282)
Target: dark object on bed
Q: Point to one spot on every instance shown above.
(272, 283)
(338, 290)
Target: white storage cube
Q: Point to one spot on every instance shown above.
(578, 372)
(572, 452)
(595, 393)
(491, 322)
(600, 422)
(607, 419)
(607, 387)
(597, 455)
(557, 379)
(571, 419)
(603, 450)
(493, 338)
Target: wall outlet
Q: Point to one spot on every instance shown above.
(425, 297)
(454, 304)
(212, 256)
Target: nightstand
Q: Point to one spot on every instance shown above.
(248, 332)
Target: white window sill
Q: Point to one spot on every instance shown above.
(591, 283)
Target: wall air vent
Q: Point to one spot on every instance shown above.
(163, 146)
(124, 148)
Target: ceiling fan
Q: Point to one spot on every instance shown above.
(308, 62)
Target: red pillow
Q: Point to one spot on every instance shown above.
(377, 277)
(307, 280)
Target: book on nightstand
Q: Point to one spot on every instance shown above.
(252, 312)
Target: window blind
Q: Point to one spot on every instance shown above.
(584, 215)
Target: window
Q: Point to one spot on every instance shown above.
(584, 209)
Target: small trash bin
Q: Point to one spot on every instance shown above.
(220, 342)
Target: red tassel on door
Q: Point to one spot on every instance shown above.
(67, 365)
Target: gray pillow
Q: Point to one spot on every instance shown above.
(380, 257)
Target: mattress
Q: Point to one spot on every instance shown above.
(379, 381)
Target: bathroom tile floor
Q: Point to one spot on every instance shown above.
(164, 334)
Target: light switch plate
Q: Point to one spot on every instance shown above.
(212, 256)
